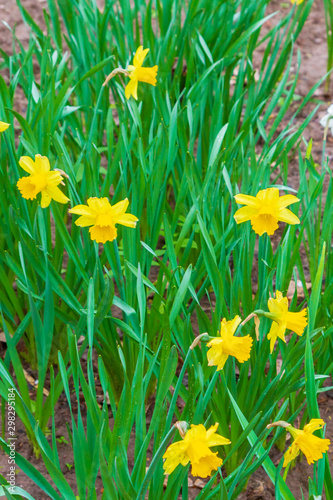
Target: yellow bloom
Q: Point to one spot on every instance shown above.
(139, 74)
(103, 218)
(297, 2)
(228, 345)
(41, 180)
(265, 210)
(283, 319)
(4, 126)
(195, 448)
(313, 447)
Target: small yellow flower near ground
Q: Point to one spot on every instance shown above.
(139, 74)
(195, 448)
(283, 319)
(103, 218)
(4, 126)
(312, 446)
(41, 180)
(227, 345)
(265, 210)
(297, 2)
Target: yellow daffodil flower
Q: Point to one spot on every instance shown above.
(4, 126)
(139, 74)
(297, 2)
(227, 345)
(312, 446)
(195, 448)
(283, 319)
(103, 218)
(265, 210)
(41, 180)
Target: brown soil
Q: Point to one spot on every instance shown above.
(312, 44)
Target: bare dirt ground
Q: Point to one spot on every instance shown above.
(312, 45)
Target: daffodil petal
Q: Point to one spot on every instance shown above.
(132, 89)
(140, 56)
(245, 214)
(196, 432)
(275, 332)
(175, 455)
(99, 204)
(46, 199)
(120, 207)
(269, 195)
(42, 164)
(81, 210)
(214, 439)
(212, 429)
(279, 305)
(245, 199)
(218, 441)
(233, 324)
(314, 425)
(290, 454)
(85, 221)
(4, 126)
(215, 355)
(128, 220)
(54, 177)
(27, 164)
(286, 215)
(286, 200)
(56, 194)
